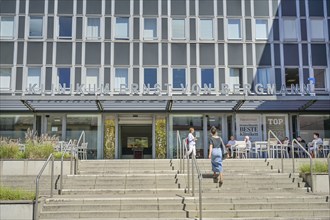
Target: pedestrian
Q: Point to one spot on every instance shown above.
(191, 142)
(231, 146)
(217, 150)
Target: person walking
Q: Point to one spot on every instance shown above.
(215, 154)
(191, 142)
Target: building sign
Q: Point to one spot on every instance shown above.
(168, 90)
(248, 125)
(277, 125)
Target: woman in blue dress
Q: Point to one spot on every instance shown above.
(215, 154)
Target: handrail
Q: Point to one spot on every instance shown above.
(179, 149)
(310, 159)
(200, 178)
(328, 158)
(270, 132)
(83, 137)
(51, 157)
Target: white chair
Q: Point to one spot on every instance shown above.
(241, 149)
(82, 151)
(325, 147)
(261, 147)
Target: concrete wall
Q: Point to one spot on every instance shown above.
(17, 210)
(28, 167)
(320, 182)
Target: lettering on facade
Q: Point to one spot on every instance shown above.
(168, 90)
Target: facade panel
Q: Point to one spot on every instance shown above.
(235, 54)
(207, 56)
(150, 54)
(49, 58)
(178, 7)
(150, 7)
(122, 7)
(20, 52)
(93, 7)
(36, 6)
(78, 53)
(179, 54)
(65, 7)
(93, 53)
(319, 55)
(234, 8)
(64, 53)
(261, 8)
(35, 53)
(315, 8)
(19, 78)
(291, 57)
(206, 7)
(288, 8)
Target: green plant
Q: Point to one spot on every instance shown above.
(38, 151)
(58, 155)
(109, 139)
(7, 193)
(10, 150)
(161, 139)
(318, 167)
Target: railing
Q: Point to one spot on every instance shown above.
(51, 157)
(328, 158)
(295, 141)
(73, 170)
(270, 132)
(182, 154)
(82, 137)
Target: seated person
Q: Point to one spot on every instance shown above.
(231, 143)
(314, 145)
(248, 142)
(286, 141)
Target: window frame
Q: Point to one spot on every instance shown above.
(99, 29)
(144, 74)
(201, 76)
(58, 78)
(42, 27)
(240, 29)
(199, 34)
(185, 77)
(28, 75)
(324, 80)
(117, 89)
(270, 76)
(267, 30)
(323, 29)
(87, 76)
(157, 35)
(13, 28)
(296, 29)
(59, 28)
(10, 74)
(240, 77)
(128, 29)
(184, 29)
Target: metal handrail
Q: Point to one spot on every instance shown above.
(179, 149)
(310, 159)
(270, 132)
(51, 157)
(200, 178)
(328, 158)
(83, 137)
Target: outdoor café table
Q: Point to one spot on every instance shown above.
(260, 147)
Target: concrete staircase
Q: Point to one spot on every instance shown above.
(153, 189)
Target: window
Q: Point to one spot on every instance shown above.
(207, 76)
(65, 27)
(264, 77)
(235, 77)
(36, 27)
(178, 29)
(33, 77)
(320, 79)
(121, 77)
(150, 29)
(122, 28)
(290, 29)
(179, 77)
(93, 28)
(5, 78)
(7, 27)
(63, 77)
(291, 77)
(206, 29)
(261, 29)
(317, 29)
(92, 78)
(150, 77)
(234, 29)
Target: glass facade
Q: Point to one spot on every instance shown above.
(15, 126)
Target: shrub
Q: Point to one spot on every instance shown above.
(58, 155)
(38, 151)
(10, 151)
(318, 167)
(7, 193)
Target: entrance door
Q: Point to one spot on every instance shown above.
(135, 136)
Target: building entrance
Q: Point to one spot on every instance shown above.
(135, 137)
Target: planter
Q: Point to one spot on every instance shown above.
(16, 209)
(31, 167)
(320, 181)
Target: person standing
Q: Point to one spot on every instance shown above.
(215, 154)
(191, 142)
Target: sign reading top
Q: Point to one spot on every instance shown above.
(168, 90)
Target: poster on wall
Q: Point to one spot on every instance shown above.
(277, 125)
(248, 125)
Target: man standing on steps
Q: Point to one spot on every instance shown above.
(191, 142)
